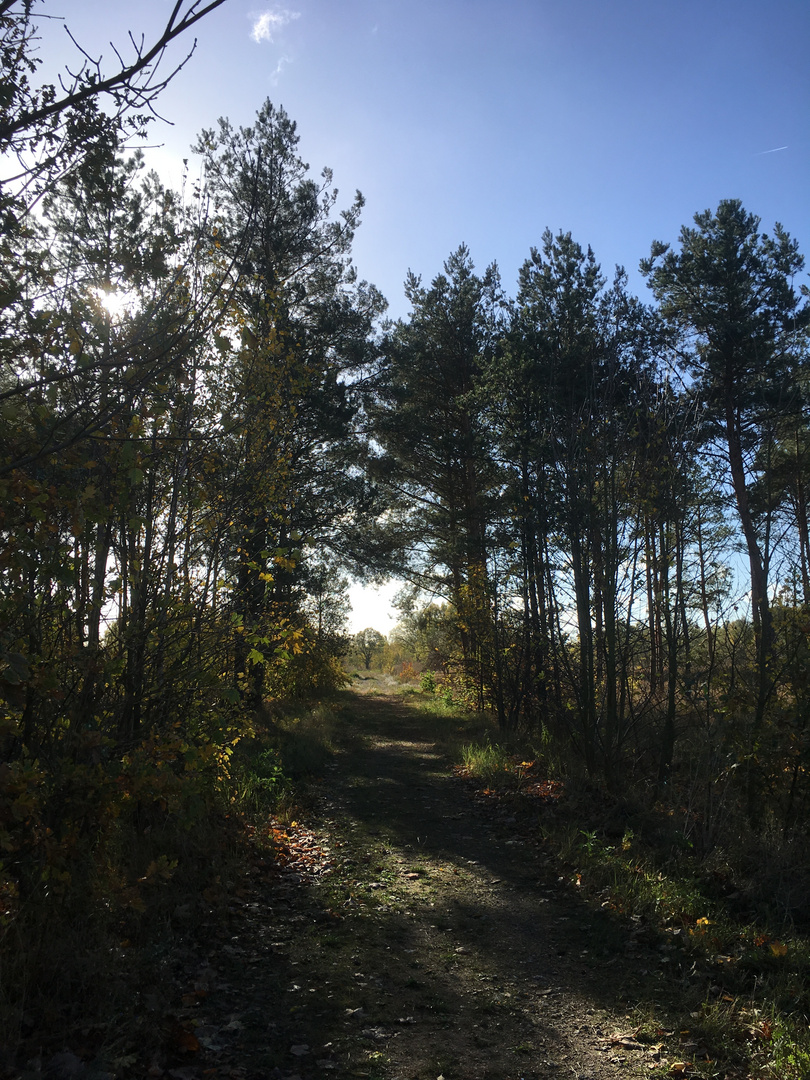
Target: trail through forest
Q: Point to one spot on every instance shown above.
(412, 935)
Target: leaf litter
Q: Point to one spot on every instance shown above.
(300, 968)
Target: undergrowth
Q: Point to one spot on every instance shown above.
(740, 995)
(91, 927)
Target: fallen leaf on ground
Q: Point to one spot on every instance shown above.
(626, 1042)
(183, 1040)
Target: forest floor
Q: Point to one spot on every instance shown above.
(414, 931)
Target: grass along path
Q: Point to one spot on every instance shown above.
(422, 941)
(412, 925)
(476, 961)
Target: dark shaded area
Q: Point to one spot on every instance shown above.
(437, 946)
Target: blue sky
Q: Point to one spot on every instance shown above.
(483, 123)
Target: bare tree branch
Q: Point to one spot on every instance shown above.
(124, 85)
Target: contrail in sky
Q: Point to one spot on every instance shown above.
(775, 150)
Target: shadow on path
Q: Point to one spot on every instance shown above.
(520, 977)
(438, 945)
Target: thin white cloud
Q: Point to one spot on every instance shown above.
(282, 63)
(268, 23)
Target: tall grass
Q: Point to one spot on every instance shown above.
(487, 762)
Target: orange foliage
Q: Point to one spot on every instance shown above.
(408, 672)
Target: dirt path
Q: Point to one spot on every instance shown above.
(427, 943)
